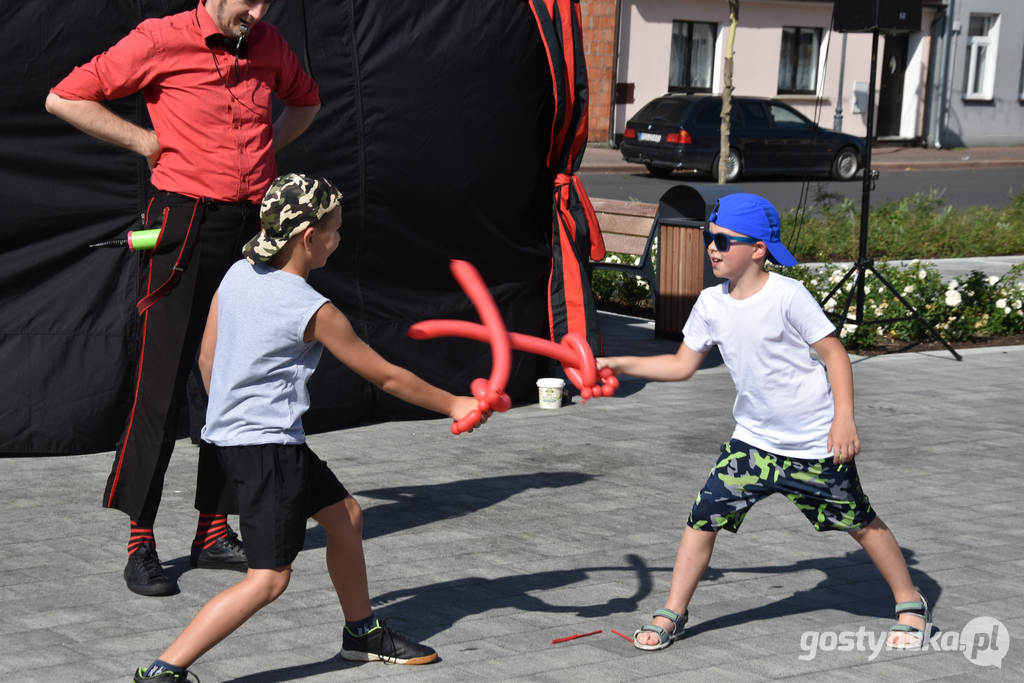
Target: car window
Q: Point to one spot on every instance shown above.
(710, 113)
(663, 111)
(784, 117)
(754, 114)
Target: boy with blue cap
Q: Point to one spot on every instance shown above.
(795, 433)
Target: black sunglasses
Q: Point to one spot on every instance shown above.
(723, 241)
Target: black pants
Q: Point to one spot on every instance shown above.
(171, 330)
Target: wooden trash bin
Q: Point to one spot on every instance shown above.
(680, 274)
(675, 224)
(682, 260)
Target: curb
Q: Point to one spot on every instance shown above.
(923, 165)
(930, 165)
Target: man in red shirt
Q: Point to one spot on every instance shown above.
(208, 76)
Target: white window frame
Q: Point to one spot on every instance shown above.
(980, 64)
(1021, 92)
(714, 34)
(814, 62)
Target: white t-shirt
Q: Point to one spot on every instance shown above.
(261, 364)
(783, 398)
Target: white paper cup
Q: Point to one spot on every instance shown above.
(549, 391)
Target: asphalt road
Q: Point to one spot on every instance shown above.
(959, 187)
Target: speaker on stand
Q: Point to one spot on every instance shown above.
(873, 16)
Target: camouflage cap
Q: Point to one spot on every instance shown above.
(292, 203)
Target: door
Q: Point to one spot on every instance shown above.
(791, 140)
(751, 136)
(890, 92)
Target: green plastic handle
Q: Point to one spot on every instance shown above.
(143, 240)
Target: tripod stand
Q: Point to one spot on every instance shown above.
(864, 263)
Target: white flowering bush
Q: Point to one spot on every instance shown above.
(968, 308)
(961, 309)
(628, 292)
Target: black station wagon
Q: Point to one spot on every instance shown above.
(678, 131)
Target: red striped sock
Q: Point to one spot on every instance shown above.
(139, 535)
(210, 529)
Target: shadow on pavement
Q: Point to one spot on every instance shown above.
(297, 672)
(438, 606)
(853, 567)
(415, 506)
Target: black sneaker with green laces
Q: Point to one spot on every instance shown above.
(381, 644)
(164, 677)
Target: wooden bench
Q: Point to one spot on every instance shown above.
(679, 275)
(628, 228)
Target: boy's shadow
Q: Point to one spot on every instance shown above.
(437, 607)
(414, 506)
(874, 601)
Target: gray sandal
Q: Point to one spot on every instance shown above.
(919, 608)
(665, 638)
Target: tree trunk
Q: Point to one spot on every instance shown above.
(723, 157)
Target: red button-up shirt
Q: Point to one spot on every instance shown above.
(210, 111)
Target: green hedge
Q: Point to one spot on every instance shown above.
(918, 227)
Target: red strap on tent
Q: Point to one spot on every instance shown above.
(576, 235)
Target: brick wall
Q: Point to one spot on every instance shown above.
(599, 47)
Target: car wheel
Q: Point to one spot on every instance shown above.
(733, 166)
(658, 171)
(846, 164)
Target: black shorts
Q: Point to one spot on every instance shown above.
(274, 488)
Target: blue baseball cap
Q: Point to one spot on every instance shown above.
(753, 216)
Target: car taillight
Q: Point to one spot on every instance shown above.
(680, 138)
(630, 133)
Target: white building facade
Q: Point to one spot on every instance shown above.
(957, 79)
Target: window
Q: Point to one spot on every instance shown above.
(693, 56)
(982, 34)
(668, 110)
(1021, 90)
(754, 114)
(710, 114)
(788, 119)
(798, 60)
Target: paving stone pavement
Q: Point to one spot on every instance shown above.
(544, 524)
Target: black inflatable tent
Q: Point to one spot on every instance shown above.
(453, 129)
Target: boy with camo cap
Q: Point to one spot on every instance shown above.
(263, 339)
(794, 432)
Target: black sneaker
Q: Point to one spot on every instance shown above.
(145, 576)
(226, 553)
(384, 645)
(163, 677)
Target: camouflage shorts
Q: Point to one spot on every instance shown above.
(829, 495)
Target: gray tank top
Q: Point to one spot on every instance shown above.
(261, 364)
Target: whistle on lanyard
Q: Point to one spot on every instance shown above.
(243, 33)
